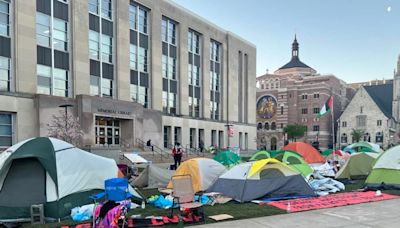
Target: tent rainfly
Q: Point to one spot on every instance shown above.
(51, 172)
(359, 164)
(386, 171)
(308, 152)
(263, 178)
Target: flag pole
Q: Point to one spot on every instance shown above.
(333, 127)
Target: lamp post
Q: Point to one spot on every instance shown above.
(65, 106)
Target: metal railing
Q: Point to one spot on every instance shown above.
(153, 148)
(194, 151)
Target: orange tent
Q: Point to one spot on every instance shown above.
(309, 153)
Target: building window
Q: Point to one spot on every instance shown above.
(281, 110)
(367, 137)
(379, 123)
(315, 110)
(316, 128)
(94, 47)
(259, 126)
(60, 34)
(194, 66)
(304, 111)
(304, 96)
(282, 126)
(106, 48)
(4, 18)
(94, 85)
(361, 121)
(101, 45)
(343, 138)
(273, 126)
(213, 138)
(6, 132)
(379, 137)
(48, 34)
(5, 77)
(344, 124)
(177, 135)
(316, 95)
(43, 30)
(266, 126)
(215, 69)
(361, 109)
(169, 65)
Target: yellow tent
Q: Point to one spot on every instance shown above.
(204, 172)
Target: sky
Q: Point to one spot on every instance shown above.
(356, 40)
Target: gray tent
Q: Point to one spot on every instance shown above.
(264, 178)
(153, 176)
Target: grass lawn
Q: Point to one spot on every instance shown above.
(238, 211)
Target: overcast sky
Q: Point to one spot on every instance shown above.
(356, 40)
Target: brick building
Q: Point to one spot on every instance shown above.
(294, 94)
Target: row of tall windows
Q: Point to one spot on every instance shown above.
(215, 76)
(194, 81)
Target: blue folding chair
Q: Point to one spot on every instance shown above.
(116, 189)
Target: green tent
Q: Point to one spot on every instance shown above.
(326, 152)
(51, 172)
(261, 154)
(359, 164)
(294, 161)
(227, 158)
(386, 171)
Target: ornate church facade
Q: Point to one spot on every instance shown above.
(294, 94)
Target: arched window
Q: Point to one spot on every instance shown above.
(266, 126)
(379, 137)
(259, 126)
(273, 126)
(367, 137)
(343, 138)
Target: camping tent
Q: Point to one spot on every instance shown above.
(294, 161)
(262, 154)
(364, 147)
(51, 172)
(153, 176)
(386, 171)
(308, 152)
(263, 178)
(326, 152)
(359, 164)
(204, 172)
(227, 158)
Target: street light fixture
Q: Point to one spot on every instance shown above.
(65, 106)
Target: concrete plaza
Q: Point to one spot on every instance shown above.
(377, 214)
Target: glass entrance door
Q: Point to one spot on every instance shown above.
(107, 131)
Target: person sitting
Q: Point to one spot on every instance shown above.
(150, 145)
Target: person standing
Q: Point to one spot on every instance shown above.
(177, 152)
(201, 146)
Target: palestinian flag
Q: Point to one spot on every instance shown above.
(326, 108)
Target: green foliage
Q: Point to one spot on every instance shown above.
(295, 131)
(357, 134)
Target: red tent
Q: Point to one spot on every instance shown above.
(309, 153)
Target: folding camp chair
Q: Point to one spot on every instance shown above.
(184, 195)
(116, 189)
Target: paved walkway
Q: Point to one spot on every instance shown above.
(378, 214)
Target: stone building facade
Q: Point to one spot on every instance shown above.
(297, 92)
(132, 70)
(375, 110)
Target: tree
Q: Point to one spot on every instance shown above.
(357, 134)
(66, 127)
(295, 131)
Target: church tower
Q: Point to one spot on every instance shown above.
(396, 92)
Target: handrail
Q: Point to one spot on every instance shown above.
(155, 149)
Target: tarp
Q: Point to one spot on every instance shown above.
(68, 172)
(386, 171)
(153, 176)
(335, 200)
(135, 158)
(263, 178)
(204, 172)
(359, 164)
(308, 152)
